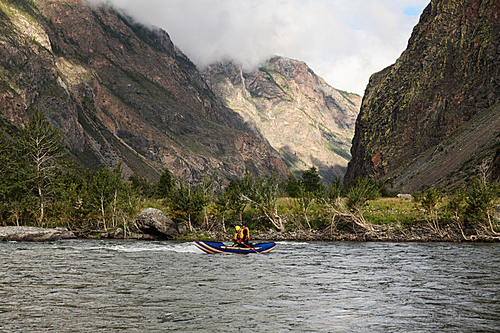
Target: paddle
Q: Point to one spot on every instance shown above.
(251, 248)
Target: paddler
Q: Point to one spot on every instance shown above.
(238, 236)
(245, 233)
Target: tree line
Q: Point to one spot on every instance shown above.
(471, 208)
(42, 186)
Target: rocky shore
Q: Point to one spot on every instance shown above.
(418, 233)
(34, 234)
(415, 234)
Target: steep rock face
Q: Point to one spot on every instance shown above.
(303, 118)
(119, 91)
(433, 112)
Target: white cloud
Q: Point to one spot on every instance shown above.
(344, 41)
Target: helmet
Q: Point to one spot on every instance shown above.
(243, 223)
(237, 228)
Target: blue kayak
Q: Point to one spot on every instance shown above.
(218, 247)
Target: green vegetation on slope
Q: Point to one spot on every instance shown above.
(51, 191)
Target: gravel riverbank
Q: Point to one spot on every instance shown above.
(34, 234)
(415, 234)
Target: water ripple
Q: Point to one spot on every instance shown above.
(118, 286)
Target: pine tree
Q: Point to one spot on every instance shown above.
(291, 186)
(311, 181)
(165, 185)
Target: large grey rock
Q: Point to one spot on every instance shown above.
(155, 222)
(34, 234)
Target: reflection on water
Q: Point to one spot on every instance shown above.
(113, 286)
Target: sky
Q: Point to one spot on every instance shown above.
(343, 41)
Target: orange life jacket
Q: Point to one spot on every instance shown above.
(245, 234)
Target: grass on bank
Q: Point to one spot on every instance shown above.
(392, 211)
(398, 213)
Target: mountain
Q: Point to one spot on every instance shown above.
(303, 118)
(120, 91)
(433, 118)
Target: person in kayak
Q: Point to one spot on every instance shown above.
(245, 233)
(242, 235)
(238, 236)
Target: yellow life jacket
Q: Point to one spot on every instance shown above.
(239, 234)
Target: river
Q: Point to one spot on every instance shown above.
(120, 286)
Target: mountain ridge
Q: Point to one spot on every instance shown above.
(307, 121)
(120, 91)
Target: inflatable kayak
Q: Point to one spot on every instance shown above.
(218, 247)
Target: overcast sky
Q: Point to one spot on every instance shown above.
(343, 41)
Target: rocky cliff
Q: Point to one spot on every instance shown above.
(118, 90)
(303, 118)
(434, 116)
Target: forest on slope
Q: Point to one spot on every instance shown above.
(41, 186)
(51, 75)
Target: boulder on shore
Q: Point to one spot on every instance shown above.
(155, 222)
(34, 234)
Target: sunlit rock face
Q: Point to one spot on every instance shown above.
(120, 91)
(307, 121)
(432, 117)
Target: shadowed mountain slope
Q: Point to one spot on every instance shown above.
(433, 117)
(120, 91)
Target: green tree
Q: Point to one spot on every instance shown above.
(358, 192)
(430, 201)
(165, 185)
(70, 193)
(481, 202)
(5, 151)
(310, 190)
(221, 206)
(5, 158)
(305, 202)
(456, 203)
(333, 199)
(456, 207)
(17, 198)
(311, 181)
(41, 148)
(335, 190)
(188, 202)
(207, 193)
(128, 205)
(102, 193)
(117, 183)
(291, 186)
(238, 192)
(141, 185)
(264, 197)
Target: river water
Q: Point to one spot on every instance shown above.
(118, 286)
